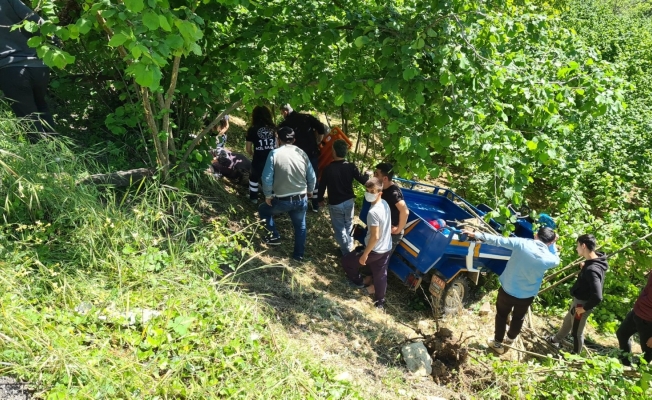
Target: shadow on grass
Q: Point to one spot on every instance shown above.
(316, 305)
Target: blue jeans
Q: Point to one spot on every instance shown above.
(342, 221)
(296, 208)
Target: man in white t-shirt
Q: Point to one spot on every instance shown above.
(378, 244)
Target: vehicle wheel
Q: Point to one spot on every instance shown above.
(455, 295)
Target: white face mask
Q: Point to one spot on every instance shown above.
(371, 197)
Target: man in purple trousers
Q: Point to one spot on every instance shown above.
(378, 244)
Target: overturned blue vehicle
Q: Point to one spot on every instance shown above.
(436, 254)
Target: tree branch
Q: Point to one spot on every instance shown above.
(163, 161)
(109, 33)
(208, 127)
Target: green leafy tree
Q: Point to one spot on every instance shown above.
(487, 83)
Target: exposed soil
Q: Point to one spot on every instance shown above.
(10, 389)
(342, 328)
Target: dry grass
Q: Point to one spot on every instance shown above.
(343, 330)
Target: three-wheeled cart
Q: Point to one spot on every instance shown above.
(439, 256)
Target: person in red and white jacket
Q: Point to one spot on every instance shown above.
(639, 320)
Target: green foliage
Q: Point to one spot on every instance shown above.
(601, 183)
(489, 86)
(571, 378)
(114, 294)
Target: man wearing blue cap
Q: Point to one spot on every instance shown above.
(521, 279)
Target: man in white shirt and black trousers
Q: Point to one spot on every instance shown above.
(378, 245)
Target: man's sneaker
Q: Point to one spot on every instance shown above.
(254, 201)
(551, 341)
(496, 346)
(379, 306)
(301, 260)
(508, 341)
(272, 241)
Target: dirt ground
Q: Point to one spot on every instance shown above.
(342, 328)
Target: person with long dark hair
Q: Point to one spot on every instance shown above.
(586, 293)
(261, 139)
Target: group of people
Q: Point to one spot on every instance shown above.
(284, 162)
(521, 281)
(385, 221)
(284, 165)
(289, 178)
(261, 141)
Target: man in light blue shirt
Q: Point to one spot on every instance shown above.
(521, 279)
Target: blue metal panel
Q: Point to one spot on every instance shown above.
(523, 228)
(449, 266)
(414, 242)
(456, 250)
(495, 266)
(398, 267)
(425, 247)
(434, 248)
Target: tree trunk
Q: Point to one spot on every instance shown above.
(161, 152)
(118, 179)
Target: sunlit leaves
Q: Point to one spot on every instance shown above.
(361, 41)
(135, 6)
(146, 75)
(118, 39)
(151, 20)
(164, 24)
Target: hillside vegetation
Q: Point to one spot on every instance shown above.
(161, 290)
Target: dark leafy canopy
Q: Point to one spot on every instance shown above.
(505, 92)
(490, 85)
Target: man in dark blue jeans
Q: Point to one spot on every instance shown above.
(338, 179)
(23, 77)
(288, 181)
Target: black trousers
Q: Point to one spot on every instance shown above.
(255, 186)
(504, 305)
(631, 325)
(25, 87)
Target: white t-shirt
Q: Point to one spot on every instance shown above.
(380, 216)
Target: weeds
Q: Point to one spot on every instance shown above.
(109, 294)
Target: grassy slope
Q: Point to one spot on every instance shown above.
(82, 268)
(339, 324)
(269, 329)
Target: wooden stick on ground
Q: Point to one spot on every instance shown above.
(527, 352)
